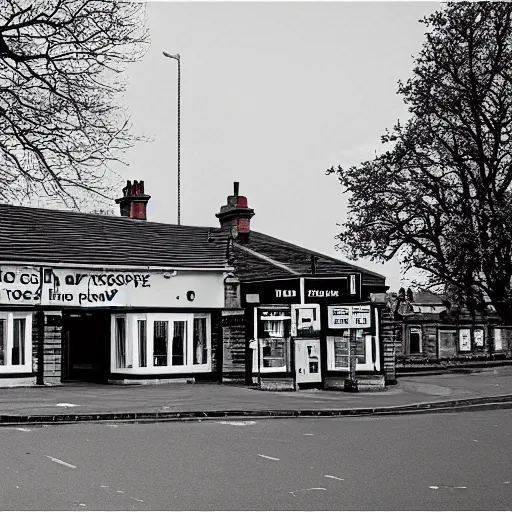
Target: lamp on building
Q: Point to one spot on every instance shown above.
(177, 58)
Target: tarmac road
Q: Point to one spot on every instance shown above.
(449, 461)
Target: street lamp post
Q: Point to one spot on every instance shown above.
(177, 58)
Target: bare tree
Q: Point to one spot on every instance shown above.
(440, 198)
(61, 65)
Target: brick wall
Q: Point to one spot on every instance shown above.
(389, 327)
(52, 348)
(216, 342)
(234, 327)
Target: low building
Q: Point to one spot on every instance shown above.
(431, 334)
(122, 300)
(295, 312)
(108, 299)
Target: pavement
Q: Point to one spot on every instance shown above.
(479, 390)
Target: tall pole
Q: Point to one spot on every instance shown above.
(177, 58)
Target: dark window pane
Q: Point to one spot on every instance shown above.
(200, 348)
(120, 342)
(2, 342)
(415, 341)
(18, 344)
(141, 325)
(160, 337)
(179, 354)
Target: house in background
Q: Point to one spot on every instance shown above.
(122, 300)
(430, 333)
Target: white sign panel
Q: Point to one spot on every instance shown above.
(109, 288)
(464, 340)
(349, 317)
(479, 337)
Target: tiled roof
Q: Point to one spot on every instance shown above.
(269, 257)
(53, 236)
(427, 297)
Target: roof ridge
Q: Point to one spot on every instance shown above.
(267, 258)
(309, 251)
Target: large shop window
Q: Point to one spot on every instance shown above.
(338, 350)
(162, 343)
(271, 351)
(15, 342)
(365, 339)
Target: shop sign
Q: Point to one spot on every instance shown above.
(349, 317)
(279, 291)
(96, 288)
(332, 290)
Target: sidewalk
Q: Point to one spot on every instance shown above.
(92, 402)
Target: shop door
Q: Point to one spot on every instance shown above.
(307, 361)
(86, 340)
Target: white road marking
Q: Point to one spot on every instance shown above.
(22, 429)
(132, 498)
(266, 457)
(120, 492)
(448, 487)
(271, 439)
(82, 504)
(475, 440)
(67, 405)
(307, 434)
(105, 486)
(112, 426)
(310, 489)
(506, 482)
(237, 423)
(334, 477)
(58, 461)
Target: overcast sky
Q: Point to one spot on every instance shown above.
(272, 95)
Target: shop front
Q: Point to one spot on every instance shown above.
(305, 328)
(114, 325)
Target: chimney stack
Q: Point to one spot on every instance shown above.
(236, 215)
(134, 202)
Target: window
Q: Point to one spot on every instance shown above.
(414, 336)
(498, 339)
(18, 342)
(15, 342)
(3, 342)
(179, 347)
(160, 342)
(339, 347)
(142, 337)
(272, 332)
(200, 349)
(447, 343)
(120, 342)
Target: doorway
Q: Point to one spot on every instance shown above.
(307, 361)
(86, 346)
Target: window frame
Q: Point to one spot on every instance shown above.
(408, 340)
(8, 367)
(454, 331)
(371, 340)
(132, 340)
(259, 368)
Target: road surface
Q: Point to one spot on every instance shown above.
(455, 461)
